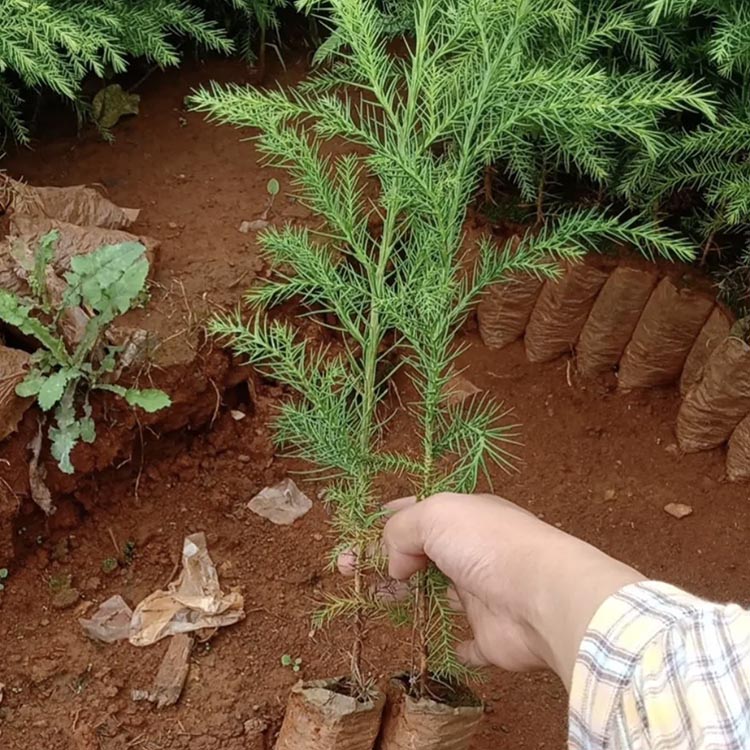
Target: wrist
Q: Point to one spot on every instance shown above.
(574, 580)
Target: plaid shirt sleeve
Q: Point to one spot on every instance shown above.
(660, 669)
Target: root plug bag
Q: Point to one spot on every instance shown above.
(320, 716)
(563, 306)
(614, 316)
(427, 724)
(711, 335)
(674, 315)
(738, 454)
(77, 204)
(714, 407)
(506, 308)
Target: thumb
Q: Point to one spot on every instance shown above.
(403, 538)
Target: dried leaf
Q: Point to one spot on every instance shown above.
(40, 493)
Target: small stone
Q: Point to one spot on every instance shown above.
(92, 584)
(110, 691)
(678, 510)
(254, 727)
(317, 537)
(65, 598)
(252, 226)
(43, 669)
(458, 389)
(610, 495)
(237, 415)
(44, 622)
(172, 225)
(672, 449)
(244, 458)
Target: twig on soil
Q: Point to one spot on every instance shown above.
(140, 463)
(392, 385)
(567, 373)
(188, 309)
(139, 740)
(218, 402)
(114, 540)
(238, 280)
(76, 714)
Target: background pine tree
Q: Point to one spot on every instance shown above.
(53, 46)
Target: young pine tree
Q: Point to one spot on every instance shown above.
(53, 46)
(392, 264)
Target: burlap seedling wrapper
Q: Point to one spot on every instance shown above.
(426, 724)
(714, 407)
(738, 454)
(563, 306)
(666, 331)
(506, 308)
(319, 716)
(715, 330)
(613, 317)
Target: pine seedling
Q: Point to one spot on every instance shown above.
(392, 267)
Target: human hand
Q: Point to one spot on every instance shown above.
(528, 589)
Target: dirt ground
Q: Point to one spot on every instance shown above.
(596, 463)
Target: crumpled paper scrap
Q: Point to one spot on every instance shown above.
(111, 622)
(281, 504)
(193, 602)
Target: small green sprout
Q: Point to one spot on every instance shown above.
(4, 573)
(109, 565)
(288, 661)
(61, 582)
(272, 188)
(128, 551)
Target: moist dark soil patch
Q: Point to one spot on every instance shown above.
(599, 464)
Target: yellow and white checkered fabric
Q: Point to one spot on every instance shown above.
(660, 669)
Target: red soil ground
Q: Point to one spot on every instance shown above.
(596, 463)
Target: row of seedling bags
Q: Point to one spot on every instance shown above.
(655, 324)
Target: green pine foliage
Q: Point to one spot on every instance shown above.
(693, 166)
(391, 265)
(708, 161)
(53, 46)
(247, 22)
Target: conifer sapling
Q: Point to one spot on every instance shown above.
(392, 266)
